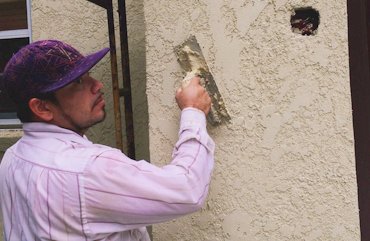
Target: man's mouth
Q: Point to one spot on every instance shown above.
(99, 100)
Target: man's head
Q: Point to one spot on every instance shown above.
(41, 77)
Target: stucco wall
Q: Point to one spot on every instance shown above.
(285, 167)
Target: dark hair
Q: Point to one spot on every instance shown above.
(25, 114)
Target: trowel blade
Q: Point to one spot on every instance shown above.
(191, 59)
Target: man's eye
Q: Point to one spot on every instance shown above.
(78, 81)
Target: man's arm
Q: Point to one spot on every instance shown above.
(132, 194)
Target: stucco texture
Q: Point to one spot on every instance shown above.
(285, 166)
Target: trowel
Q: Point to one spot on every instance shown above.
(191, 59)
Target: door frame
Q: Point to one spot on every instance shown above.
(358, 38)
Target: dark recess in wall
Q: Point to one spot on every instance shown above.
(305, 21)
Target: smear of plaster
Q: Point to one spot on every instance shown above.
(247, 12)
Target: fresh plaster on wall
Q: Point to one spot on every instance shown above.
(285, 163)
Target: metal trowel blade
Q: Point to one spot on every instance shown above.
(191, 59)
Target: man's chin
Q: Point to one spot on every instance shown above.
(102, 118)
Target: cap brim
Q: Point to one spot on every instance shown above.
(82, 67)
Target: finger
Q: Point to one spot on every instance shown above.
(195, 80)
(204, 92)
(178, 94)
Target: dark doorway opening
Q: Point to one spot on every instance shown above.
(359, 44)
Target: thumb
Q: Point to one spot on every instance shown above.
(178, 91)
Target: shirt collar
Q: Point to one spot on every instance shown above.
(45, 130)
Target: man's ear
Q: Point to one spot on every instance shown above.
(40, 109)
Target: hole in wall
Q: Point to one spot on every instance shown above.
(305, 21)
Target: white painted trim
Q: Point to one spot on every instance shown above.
(19, 33)
(8, 122)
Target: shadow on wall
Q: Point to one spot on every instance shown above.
(136, 30)
(137, 53)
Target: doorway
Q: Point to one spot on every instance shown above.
(359, 45)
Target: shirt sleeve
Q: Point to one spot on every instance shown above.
(121, 194)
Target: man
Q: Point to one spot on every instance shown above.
(57, 185)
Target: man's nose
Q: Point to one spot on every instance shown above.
(96, 86)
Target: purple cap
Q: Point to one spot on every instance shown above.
(45, 66)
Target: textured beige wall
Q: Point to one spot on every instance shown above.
(285, 167)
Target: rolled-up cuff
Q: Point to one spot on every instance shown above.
(192, 117)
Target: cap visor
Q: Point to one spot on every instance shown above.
(82, 67)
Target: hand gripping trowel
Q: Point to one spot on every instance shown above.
(191, 59)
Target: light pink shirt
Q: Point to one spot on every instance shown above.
(57, 185)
